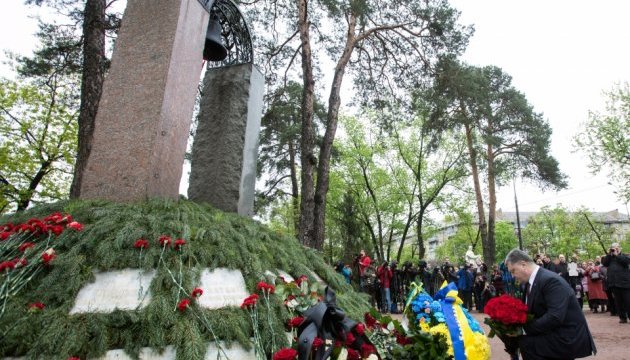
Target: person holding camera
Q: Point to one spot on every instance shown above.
(618, 279)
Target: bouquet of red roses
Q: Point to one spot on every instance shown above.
(507, 315)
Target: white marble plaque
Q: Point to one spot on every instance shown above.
(286, 276)
(125, 289)
(222, 287)
(145, 354)
(235, 352)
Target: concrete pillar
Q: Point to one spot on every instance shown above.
(145, 112)
(225, 148)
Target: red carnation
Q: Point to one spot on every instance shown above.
(359, 329)
(48, 256)
(183, 305)
(24, 228)
(179, 243)
(53, 218)
(317, 342)
(7, 265)
(40, 227)
(264, 287)
(197, 292)
(367, 350)
(33, 221)
(296, 321)
(36, 306)
(141, 244)
(353, 355)
(7, 227)
(74, 358)
(75, 225)
(164, 240)
(301, 279)
(370, 321)
(349, 339)
(285, 354)
(26, 245)
(402, 339)
(20, 262)
(5, 235)
(56, 229)
(249, 301)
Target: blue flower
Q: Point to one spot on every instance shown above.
(439, 317)
(474, 325)
(436, 307)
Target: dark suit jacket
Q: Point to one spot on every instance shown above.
(559, 329)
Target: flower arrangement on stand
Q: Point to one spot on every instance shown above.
(320, 328)
(443, 316)
(507, 316)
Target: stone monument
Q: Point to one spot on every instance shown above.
(224, 153)
(144, 117)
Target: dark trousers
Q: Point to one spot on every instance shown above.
(528, 347)
(612, 307)
(466, 296)
(622, 301)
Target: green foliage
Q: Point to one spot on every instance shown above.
(506, 239)
(605, 139)
(213, 239)
(38, 137)
(555, 231)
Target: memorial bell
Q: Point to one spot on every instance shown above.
(213, 49)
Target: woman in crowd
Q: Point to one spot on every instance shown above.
(596, 295)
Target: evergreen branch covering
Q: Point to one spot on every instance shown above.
(213, 239)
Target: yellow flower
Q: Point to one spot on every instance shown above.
(441, 329)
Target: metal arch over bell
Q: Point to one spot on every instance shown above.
(213, 49)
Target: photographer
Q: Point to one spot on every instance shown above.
(618, 279)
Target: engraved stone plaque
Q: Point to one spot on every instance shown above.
(222, 287)
(145, 354)
(235, 352)
(125, 289)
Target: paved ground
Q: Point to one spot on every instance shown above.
(611, 338)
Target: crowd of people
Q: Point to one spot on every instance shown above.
(602, 284)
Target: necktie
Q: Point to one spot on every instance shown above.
(527, 289)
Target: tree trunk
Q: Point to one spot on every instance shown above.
(323, 170)
(307, 157)
(483, 230)
(25, 199)
(91, 85)
(421, 248)
(295, 195)
(492, 205)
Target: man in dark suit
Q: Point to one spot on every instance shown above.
(558, 329)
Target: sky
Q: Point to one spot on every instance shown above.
(562, 54)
